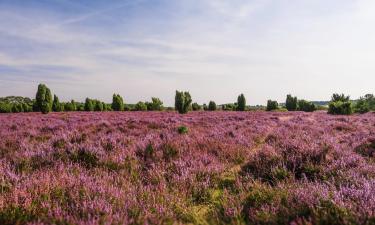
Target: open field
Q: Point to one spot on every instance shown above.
(226, 167)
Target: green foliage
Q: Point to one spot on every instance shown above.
(229, 107)
(43, 99)
(340, 105)
(340, 98)
(117, 103)
(56, 105)
(140, 106)
(85, 158)
(99, 106)
(306, 106)
(182, 130)
(212, 106)
(291, 103)
(241, 103)
(16, 215)
(17, 108)
(365, 104)
(272, 105)
(361, 106)
(155, 105)
(196, 107)
(70, 106)
(182, 102)
(205, 107)
(89, 105)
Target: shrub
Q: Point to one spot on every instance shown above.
(205, 107)
(196, 107)
(56, 105)
(17, 108)
(99, 107)
(182, 130)
(291, 103)
(306, 106)
(340, 105)
(340, 108)
(241, 103)
(140, 106)
(361, 106)
(117, 103)
(5, 107)
(89, 105)
(70, 106)
(229, 107)
(155, 105)
(85, 158)
(182, 102)
(212, 106)
(43, 99)
(272, 105)
(340, 98)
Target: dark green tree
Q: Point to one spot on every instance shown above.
(272, 105)
(98, 106)
(140, 106)
(155, 105)
(43, 99)
(89, 105)
(291, 103)
(340, 105)
(182, 102)
(212, 106)
(241, 103)
(361, 106)
(117, 103)
(306, 106)
(56, 105)
(196, 107)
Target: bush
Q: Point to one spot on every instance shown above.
(140, 106)
(272, 105)
(155, 105)
(56, 105)
(340, 98)
(291, 103)
(70, 106)
(306, 106)
(362, 106)
(99, 106)
(229, 107)
(5, 107)
(212, 106)
(17, 108)
(196, 107)
(182, 130)
(340, 105)
(89, 105)
(182, 102)
(241, 103)
(117, 103)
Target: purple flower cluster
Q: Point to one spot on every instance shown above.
(226, 167)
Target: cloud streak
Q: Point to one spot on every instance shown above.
(215, 49)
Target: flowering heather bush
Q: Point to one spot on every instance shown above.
(229, 168)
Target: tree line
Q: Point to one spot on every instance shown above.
(44, 102)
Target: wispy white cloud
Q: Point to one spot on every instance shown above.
(214, 48)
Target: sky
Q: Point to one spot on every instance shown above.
(215, 49)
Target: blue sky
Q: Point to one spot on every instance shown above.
(216, 49)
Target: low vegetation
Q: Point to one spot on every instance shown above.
(43, 102)
(200, 168)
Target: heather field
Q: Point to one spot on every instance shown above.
(198, 168)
